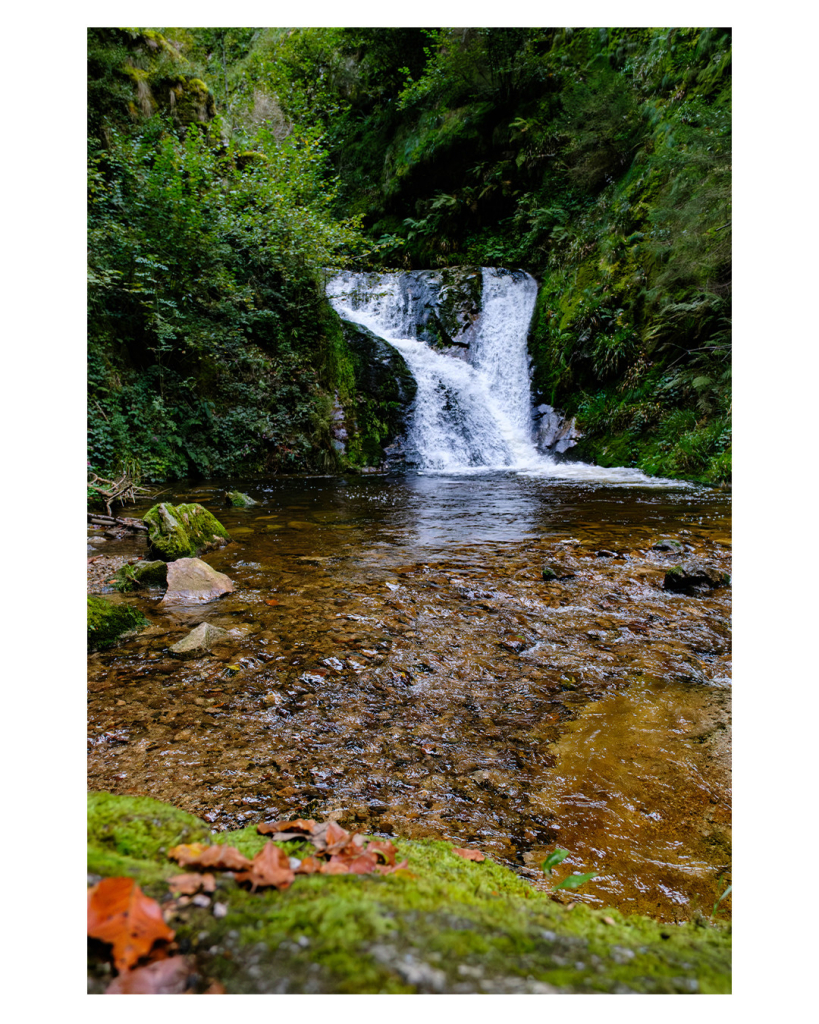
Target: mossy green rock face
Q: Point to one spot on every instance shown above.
(145, 574)
(548, 573)
(443, 925)
(108, 622)
(182, 531)
(239, 500)
(384, 391)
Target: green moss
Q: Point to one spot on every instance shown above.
(182, 531)
(143, 574)
(130, 835)
(440, 925)
(383, 391)
(108, 622)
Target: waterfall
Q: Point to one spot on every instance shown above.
(473, 408)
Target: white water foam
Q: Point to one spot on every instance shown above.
(471, 416)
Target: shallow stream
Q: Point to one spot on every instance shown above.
(397, 661)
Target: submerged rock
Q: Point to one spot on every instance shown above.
(192, 581)
(182, 531)
(693, 576)
(548, 573)
(668, 544)
(239, 500)
(108, 622)
(198, 641)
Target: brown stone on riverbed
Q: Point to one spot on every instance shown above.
(192, 581)
(198, 641)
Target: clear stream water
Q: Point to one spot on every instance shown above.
(396, 660)
(416, 676)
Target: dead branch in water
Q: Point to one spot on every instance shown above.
(129, 524)
(122, 489)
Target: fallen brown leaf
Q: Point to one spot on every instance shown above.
(189, 885)
(298, 829)
(216, 988)
(329, 837)
(121, 914)
(161, 978)
(384, 850)
(335, 866)
(309, 866)
(270, 867)
(272, 602)
(365, 864)
(385, 869)
(475, 855)
(218, 856)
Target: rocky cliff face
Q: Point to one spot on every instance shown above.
(371, 429)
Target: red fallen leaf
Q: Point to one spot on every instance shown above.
(270, 866)
(385, 850)
(272, 602)
(475, 855)
(219, 856)
(121, 914)
(308, 866)
(161, 978)
(189, 885)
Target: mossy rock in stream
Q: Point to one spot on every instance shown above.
(239, 500)
(442, 925)
(182, 531)
(143, 574)
(107, 622)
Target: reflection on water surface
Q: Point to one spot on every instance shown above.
(396, 659)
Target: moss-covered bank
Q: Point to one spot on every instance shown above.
(444, 925)
(106, 622)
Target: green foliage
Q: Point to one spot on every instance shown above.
(206, 346)
(597, 159)
(576, 880)
(726, 893)
(557, 855)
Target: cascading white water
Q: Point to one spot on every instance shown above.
(471, 414)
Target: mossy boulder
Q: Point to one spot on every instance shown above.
(444, 924)
(182, 531)
(143, 574)
(548, 573)
(239, 500)
(107, 622)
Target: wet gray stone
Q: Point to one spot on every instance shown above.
(192, 581)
